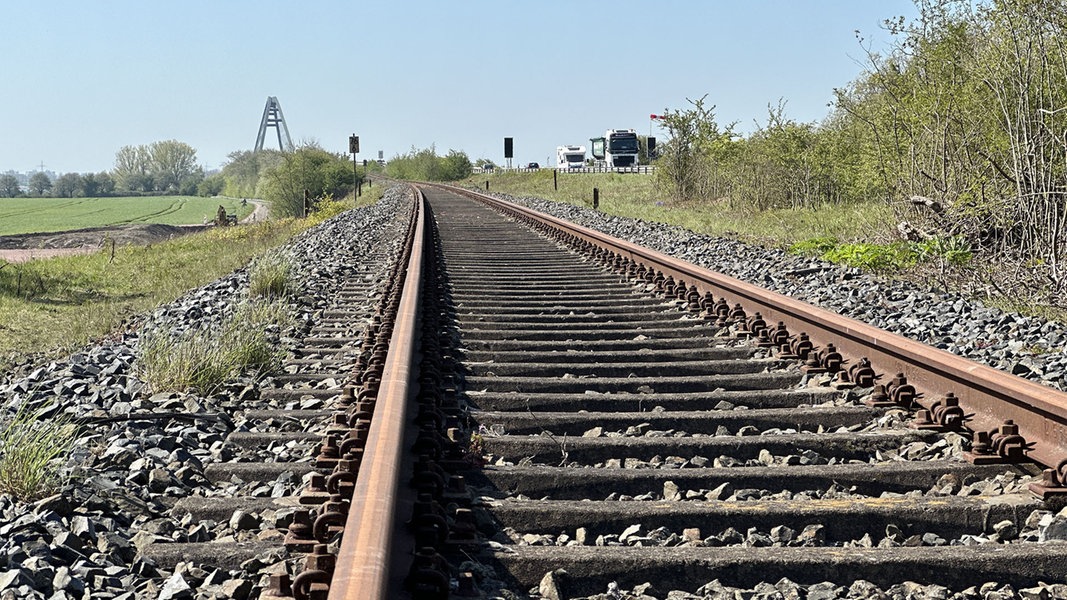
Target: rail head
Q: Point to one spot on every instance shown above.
(989, 397)
(366, 561)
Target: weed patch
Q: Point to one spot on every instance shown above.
(270, 276)
(31, 447)
(814, 247)
(204, 359)
(635, 196)
(896, 256)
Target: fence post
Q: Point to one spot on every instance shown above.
(596, 198)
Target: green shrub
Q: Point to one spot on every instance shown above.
(30, 449)
(326, 209)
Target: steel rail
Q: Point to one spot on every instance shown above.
(365, 559)
(988, 396)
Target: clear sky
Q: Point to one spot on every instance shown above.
(82, 78)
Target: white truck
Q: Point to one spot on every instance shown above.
(570, 157)
(618, 148)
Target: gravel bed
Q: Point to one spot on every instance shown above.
(948, 485)
(785, 589)
(1031, 347)
(138, 452)
(1038, 526)
(950, 446)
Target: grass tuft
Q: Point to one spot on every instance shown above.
(205, 359)
(271, 276)
(31, 447)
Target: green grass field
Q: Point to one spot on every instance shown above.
(41, 215)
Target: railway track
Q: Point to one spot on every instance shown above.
(560, 415)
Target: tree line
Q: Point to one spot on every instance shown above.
(961, 127)
(164, 167)
(171, 167)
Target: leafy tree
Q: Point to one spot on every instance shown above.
(211, 185)
(9, 186)
(696, 148)
(68, 185)
(309, 168)
(133, 169)
(243, 171)
(455, 166)
(90, 187)
(173, 167)
(105, 184)
(168, 166)
(338, 176)
(40, 183)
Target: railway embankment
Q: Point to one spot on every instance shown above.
(138, 452)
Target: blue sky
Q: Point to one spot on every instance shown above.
(82, 78)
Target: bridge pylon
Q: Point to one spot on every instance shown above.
(273, 117)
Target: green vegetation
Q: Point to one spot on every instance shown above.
(891, 257)
(205, 359)
(32, 215)
(241, 174)
(65, 302)
(270, 276)
(951, 145)
(426, 165)
(31, 447)
(164, 167)
(167, 166)
(321, 174)
(54, 305)
(637, 196)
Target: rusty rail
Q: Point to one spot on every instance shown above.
(988, 397)
(367, 551)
